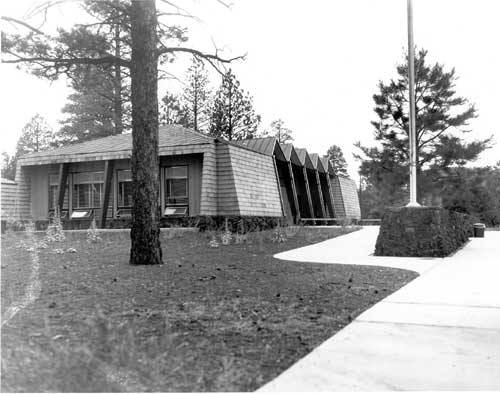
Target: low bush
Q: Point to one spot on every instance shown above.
(421, 232)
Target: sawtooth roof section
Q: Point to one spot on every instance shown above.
(261, 145)
(321, 167)
(317, 162)
(290, 154)
(267, 145)
(327, 165)
(305, 159)
(169, 136)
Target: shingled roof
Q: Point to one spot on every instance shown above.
(169, 136)
(268, 146)
(261, 145)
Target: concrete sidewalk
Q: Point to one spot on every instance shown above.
(439, 332)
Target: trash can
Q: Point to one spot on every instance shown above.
(479, 230)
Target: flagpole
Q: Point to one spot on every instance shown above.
(412, 132)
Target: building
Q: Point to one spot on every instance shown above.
(199, 176)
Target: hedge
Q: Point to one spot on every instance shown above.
(421, 232)
(240, 224)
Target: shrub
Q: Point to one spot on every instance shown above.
(55, 229)
(93, 232)
(421, 232)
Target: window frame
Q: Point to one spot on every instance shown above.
(119, 191)
(52, 195)
(167, 205)
(76, 206)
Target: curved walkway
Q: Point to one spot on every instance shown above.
(439, 332)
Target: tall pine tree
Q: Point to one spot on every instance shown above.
(36, 136)
(442, 118)
(150, 44)
(279, 131)
(232, 116)
(173, 111)
(336, 158)
(196, 96)
(93, 110)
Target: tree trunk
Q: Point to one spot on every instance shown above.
(117, 86)
(145, 231)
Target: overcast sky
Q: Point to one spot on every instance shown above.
(314, 64)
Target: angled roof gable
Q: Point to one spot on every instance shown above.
(304, 158)
(318, 165)
(290, 154)
(317, 162)
(327, 165)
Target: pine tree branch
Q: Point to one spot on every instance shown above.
(433, 138)
(61, 62)
(211, 58)
(19, 22)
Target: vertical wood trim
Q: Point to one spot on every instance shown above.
(279, 186)
(162, 190)
(61, 187)
(70, 195)
(320, 192)
(330, 195)
(115, 193)
(108, 176)
(342, 198)
(294, 192)
(308, 192)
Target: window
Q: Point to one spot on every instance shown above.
(176, 190)
(125, 200)
(124, 189)
(88, 190)
(53, 186)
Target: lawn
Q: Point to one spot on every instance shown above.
(229, 318)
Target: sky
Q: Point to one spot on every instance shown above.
(315, 64)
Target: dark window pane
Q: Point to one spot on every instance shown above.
(97, 195)
(125, 194)
(178, 188)
(176, 172)
(81, 196)
(124, 175)
(52, 197)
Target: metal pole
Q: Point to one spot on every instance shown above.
(412, 135)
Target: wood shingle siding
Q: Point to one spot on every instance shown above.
(9, 194)
(208, 204)
(255, 182)
(227, 197)
(345, 198)
(351, 199)
(23, 196)
(236, 178)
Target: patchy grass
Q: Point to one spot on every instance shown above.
(229, 318)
